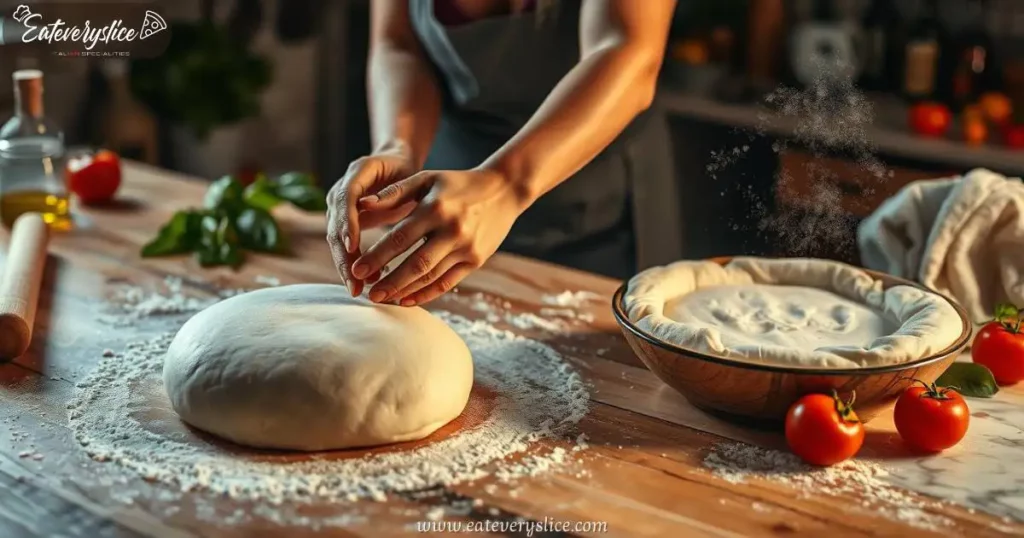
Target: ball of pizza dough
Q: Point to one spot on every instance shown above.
(307, 367)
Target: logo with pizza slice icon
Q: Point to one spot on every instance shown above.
(88, 29)
(152, 24)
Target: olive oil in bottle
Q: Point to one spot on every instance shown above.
(32, 159)
(53, 208)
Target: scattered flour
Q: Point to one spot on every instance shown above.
(828, 116)
(739, 462)
(571, 298)
(268, 280)
(138, 303)
(549, 319)
(527, 320)
(120, 413)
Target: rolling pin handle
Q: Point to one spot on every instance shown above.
(19, 285)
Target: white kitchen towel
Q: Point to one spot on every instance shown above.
(963, 237)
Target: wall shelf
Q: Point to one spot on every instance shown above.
(888, 134)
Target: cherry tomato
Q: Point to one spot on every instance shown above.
(998, 108)
(975, 132)
(823, 430)
(931, 418)
(247, 174)
(999, 346)
(930, 119)
(94, 178)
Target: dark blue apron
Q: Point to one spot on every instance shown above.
(617, 214)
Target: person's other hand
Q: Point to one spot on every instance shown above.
(365, 176)
(464, 216)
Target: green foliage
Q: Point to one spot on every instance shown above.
(234, 219)
(206, 78)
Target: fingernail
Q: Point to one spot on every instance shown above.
(346, 241)
(359, 270)
(371, 199)
(378, 296)
(408, 302)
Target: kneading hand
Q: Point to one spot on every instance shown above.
(365, 176)
(464, 216)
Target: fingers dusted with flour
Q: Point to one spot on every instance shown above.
(404, 105)
(345, 222)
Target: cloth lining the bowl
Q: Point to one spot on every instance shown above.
(926, 323)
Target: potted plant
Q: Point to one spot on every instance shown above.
(205, 85)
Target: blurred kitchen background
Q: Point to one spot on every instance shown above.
(277, 86)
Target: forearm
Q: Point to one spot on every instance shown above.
(403, 100)
(585, 112)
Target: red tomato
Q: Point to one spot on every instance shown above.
(94, 178)
(999, 346)
(247, 174)
(1014, 136)
(931, 419)
(930, 119)
(823, 430)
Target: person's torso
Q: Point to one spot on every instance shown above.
(494, 74)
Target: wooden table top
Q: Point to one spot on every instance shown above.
(645, 473)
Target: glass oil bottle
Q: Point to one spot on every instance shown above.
(32, 159)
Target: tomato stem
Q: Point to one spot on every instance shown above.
(932, 390)
(1010, 317)
(845, 409)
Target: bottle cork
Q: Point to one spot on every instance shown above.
(28, 91)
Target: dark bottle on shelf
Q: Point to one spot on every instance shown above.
(922, 54)
(882, 29)
(972, 67)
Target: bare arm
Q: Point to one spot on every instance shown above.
(404, 109)
(403, 95)
(622, 43)
(466, 214)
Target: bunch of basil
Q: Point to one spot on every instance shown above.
(236, 218)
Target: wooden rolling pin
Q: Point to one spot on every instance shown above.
(19, 286)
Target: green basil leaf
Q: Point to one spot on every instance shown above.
(257, 230)
(223, 254)
(296, 178)
(970, 379)
(225, 194)
(219, 244)
(226, 232)
(180, 234)
(305, 197)
(208, 230)
(261, 193)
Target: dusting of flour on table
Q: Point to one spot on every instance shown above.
(550, 319)
(738, 463)
(571, 298)
(117, 411)
(137, 302)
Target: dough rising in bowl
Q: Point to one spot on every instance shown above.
(789, 316)
(307, 367)
(790, 312)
